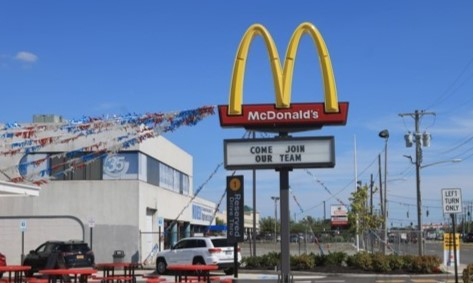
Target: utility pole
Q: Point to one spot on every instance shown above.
(371, 194)
(325, 216)
(418, 138)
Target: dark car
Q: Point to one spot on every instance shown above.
(468, 238)
(3, 262)
(59, 254)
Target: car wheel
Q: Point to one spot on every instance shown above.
(161, 266)
(198, 261)
(228, 271)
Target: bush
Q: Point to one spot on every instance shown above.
(335, 259)
(380, 262)
(361, 260)
(267, 261)
(302, 262)
(319, 259)
(425, 264)
(396, 262)
(271, 259)
(408, 261)
(254, 262)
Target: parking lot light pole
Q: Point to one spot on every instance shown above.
(385, 135)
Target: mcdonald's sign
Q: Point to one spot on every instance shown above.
(283, 116)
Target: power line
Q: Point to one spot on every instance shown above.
(449, 91)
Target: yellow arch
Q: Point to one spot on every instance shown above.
(282, 78)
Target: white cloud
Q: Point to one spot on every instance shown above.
(27, 57)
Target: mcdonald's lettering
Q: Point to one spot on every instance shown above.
(273, 115)
(283, 114)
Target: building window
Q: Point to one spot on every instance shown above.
(173, 179)
(184, 184)
(166, 176)
(74, 167)
(152, 171)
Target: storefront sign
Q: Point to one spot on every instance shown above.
(235, 209)
(302, 152)
(202, 213)
(339, 215)
(283, 115)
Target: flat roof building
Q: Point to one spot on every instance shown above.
(138, 198)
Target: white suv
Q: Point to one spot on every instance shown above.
(199, 250)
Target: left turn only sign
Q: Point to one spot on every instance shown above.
(452, 201)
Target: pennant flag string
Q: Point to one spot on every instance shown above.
(137, 128)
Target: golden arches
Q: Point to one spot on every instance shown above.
(282, 77)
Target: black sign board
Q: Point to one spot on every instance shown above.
(235, 209)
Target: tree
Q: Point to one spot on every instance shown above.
(361, 211)
(266, 225)
(219, 221)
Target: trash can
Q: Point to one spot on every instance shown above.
(118, 256)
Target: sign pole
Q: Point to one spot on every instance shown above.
(91, 235)
(22, 246)
(235, 214)
(284, 209)
(454, 247)
(23, 226)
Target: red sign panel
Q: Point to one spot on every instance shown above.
(298, 117)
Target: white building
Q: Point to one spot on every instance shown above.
(117, 202)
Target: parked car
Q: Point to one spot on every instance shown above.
(3, 262)
(59, 254)
(468, 238)
(199, 250)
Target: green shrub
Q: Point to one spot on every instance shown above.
(267, 261)
(380, 262)
(335, 259)
(319, 259)
(271, 259)
(302, 262)
(408, 261)
(425, 264)
(253, 262)
(361, 260)
(396, 262)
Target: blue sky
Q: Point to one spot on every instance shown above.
(92, 58)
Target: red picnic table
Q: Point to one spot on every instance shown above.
(55, 275)
(110, 273)
(15, 272)
(182, 271)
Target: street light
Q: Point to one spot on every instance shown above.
(275, 217)
(384, 134)
(418, 165)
